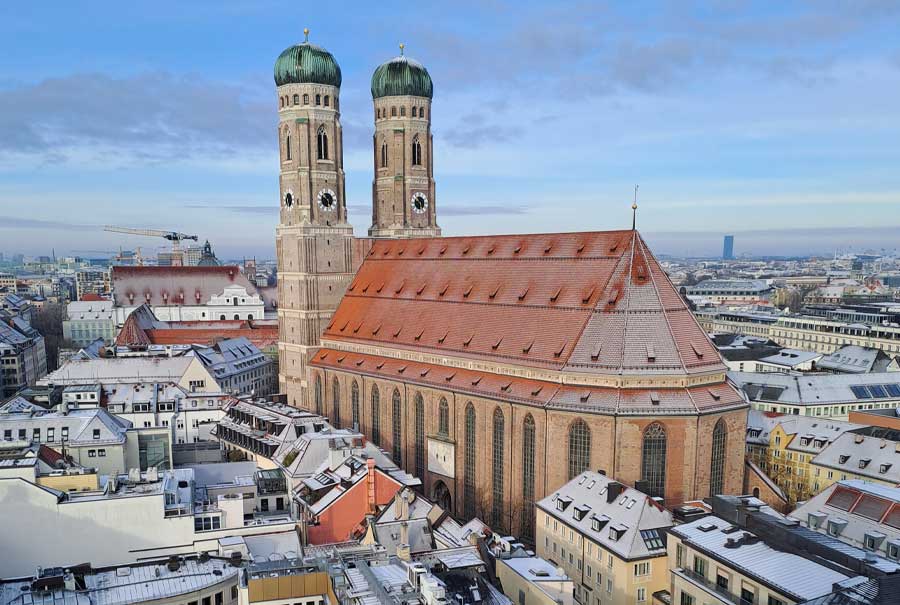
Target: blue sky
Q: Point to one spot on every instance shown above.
(778, 122)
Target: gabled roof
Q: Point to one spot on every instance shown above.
(141, 329)
(595, 302)
(161, 286)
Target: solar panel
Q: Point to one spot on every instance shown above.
(878, 391)
(860, 392)
(893, 389)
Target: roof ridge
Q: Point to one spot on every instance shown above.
(625, 302)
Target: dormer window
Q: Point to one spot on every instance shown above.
(617, 531)
(843, 458)
(579, 512)
(864, 462)
(884, 468)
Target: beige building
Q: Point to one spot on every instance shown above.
(713, 562)
(607, 537)
(534, 581)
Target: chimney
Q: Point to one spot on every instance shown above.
(613, 490)
(370, 485)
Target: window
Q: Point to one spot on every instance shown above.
(36, 434)
(376, 417)
(296, 99)
(336, 402)
(717, 462)
(416, 151)
(679, 556)
(318, 397)
(686, 599)
(403, 112)
(65, 433)
(497, 469)
(101, 453)
(699, 566)
(318, 99)
(322, 143)
(354, 405)
(420, 436)
(642, 569)
(96, 433)
(415, 112)
(641, 594)
(528, 476)
(393, 112)
(92, 453)
(421, 112)
(775, 601)
(287, 147)
(469, 463)
(721, 581)
(384, 155)
(579, 448)
(396, 419)
(327, 101)
(747, 596)
(306, 99)
(653, 459)
(219, 599)
(443, 417)
(51, 434)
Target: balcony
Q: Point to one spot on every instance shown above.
(711, 587)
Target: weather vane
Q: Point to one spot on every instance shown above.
(634, 209)
(306, 34)
(402, 45)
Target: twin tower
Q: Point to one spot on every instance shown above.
(317, 253)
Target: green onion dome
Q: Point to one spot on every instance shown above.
(401, 76)
(307, 63)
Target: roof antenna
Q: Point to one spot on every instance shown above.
(634, 209)
(402, 45)
(305, 34)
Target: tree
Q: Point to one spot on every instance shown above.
(48, 321)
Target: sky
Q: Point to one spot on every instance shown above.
(778, 122)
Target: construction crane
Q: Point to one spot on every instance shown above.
(173, 236)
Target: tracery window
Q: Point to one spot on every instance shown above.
(497, 469)
(354, 405)
(376, 417)
(318, 394)
(653, 459)
(322, 143)
(579, 448)
(717, 462)
(444, 417)
(396, 418)
(336, 402)
(469, 463)
(416, 151)
(528, 476)
(420, 436)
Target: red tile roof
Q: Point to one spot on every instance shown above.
(174, 285)
(91, 297)
(538, 393)
(595, 302)
(141, 328)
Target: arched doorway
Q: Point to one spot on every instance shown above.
(440, 495)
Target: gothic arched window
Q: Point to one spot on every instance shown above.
(376, 417)
(327, 101)
(396, 418)
(306, 99)
(354, 405)
(336, 402)
(282, 101)
(416, 151)
(528, 476)
(318, 394)
(443, 417)
(497, 469)
(420, 436)
(579, 448)
(287, 147)
(469, 463)
(322, 143)
(717, 462)
(414, 111)
(384, 155)
(653, 459)
(421, 112)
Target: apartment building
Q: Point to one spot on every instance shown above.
(86, 321)
(608, 538)
(869, 453)
(714, 562)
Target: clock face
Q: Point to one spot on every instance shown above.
(419, 202)
(288, 199)
(327, 200)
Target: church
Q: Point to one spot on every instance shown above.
(495, 368)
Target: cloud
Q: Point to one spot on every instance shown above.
(238, 209)
(150, 116)
(482, 210)
(473, 131)
(14, 222)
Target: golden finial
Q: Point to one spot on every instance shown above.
(402, 46)
(634, 209)
(306, 34)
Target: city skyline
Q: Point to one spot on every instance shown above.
(707, 109)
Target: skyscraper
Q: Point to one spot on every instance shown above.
(728, 248)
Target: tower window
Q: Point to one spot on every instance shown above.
(421, 112)
(403, 111)
(414, 111)
(393, 112)
(287, 147)
(296, 99)
(416, 151)
(306, 99)
(282, 101)
(322, 144)
(327, 101)
(384, 157)
(318, 99)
